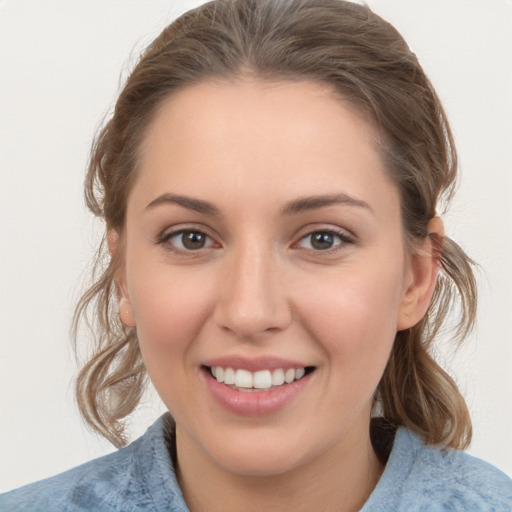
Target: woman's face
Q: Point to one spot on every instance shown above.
(264, 243)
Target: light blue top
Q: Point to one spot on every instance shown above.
(141, 477)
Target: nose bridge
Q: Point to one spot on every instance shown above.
(252, 302)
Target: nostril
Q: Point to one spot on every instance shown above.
(251, 304)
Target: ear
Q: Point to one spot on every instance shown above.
(126, 315)
(113, 242)
(421, 277)
(126, 312)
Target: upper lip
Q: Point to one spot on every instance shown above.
(254, 364)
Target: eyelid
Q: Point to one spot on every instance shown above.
(163, 239)
(177, 234)
(344, 236)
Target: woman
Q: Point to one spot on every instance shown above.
(269, 182)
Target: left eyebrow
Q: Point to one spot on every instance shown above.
(304, 204)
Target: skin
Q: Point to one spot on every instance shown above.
(259, 286)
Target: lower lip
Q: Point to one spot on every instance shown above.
(256, 403)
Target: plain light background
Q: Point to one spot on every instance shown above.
(60, 68)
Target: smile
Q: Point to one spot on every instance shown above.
(265, 380)
(258, 387)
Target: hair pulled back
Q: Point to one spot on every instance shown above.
(366, 60)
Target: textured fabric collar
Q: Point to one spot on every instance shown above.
(155, 473)
(416, 477)
(141, 478)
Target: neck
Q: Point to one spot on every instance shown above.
(341, 480)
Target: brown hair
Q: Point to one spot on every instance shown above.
(363, 57)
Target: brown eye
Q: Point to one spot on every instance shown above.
(323, 240)
(189, 240)
(193, 240)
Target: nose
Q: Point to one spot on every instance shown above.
(252, 299)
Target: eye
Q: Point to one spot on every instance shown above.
(323, 240)
(187, 240)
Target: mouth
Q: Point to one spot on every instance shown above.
(243, 380)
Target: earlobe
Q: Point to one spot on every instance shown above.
(126, 312)
(421, 277)
(125, 307)
(112, 241)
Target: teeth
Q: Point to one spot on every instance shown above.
(289, 376)
(229, 376)
(278, 377)
(243, 379)
(263, 379)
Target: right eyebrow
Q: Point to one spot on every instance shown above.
(190, 203)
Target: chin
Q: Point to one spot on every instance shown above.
(258, 463)
(261, 452)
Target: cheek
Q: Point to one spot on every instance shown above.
(170, 309)
(169, 317)
(354, 317)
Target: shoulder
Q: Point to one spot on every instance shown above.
(420, 478)
(138, 477)
(93, 482)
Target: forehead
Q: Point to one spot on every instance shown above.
(251, 137)
(254, 105)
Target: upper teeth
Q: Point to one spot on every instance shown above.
(263, 379)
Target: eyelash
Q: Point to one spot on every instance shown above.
(165, 240)
(342, 237)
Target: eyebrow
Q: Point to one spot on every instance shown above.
(300, 205)
(304, 204)
(190, 203)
